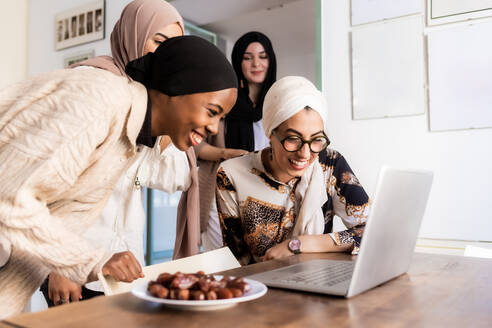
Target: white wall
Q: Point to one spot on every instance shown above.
(13, 34)
(291, 28)
(295, 47)
(42, 56)
(460, 205)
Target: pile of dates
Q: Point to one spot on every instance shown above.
(196, 286)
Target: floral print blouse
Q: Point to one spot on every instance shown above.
(257, 212)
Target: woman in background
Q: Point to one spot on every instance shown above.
(255, 65)
(142, 27)
(281, 200)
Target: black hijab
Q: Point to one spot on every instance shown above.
(184, 65)
(239, 122)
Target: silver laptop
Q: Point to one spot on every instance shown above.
(387, 244)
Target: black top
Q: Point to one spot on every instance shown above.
(239, 122)
(145, 136)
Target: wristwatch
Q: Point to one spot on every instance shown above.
(294, 245)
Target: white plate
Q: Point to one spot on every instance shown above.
(257, 290)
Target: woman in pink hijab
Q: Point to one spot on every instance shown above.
(142, 27)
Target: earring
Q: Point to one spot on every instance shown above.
(271, 153)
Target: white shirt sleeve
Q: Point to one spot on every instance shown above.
(168, 170)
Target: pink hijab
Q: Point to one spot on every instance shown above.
(139, 21)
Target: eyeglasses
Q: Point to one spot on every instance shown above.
(294, 143)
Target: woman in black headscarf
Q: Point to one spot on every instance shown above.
(254, 61)
(255, 65)
(173, 76)
(67, 149)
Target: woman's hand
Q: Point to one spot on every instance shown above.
(228, 153)
(278, 251)
(309, 244)
(62, 290)
(123, 267)
(211, 153)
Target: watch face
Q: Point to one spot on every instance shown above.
(295, 245)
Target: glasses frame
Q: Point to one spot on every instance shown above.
(303, 141)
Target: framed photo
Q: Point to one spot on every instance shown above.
(80, 25)
(75, 58)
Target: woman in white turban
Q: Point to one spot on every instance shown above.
(281, 200)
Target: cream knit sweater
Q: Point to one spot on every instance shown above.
(65, 139)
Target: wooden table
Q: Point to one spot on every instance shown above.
(438, 291)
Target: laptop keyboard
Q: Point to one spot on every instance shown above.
(331, 275)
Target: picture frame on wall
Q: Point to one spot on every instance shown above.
(388, 72)
(78, 57)
(80, 25)
(451, 11)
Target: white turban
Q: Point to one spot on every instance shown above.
(287, 97)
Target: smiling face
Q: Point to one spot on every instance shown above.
(255, 63)
(161, 35)
(188, 119)
(285, 165)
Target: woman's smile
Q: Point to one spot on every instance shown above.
(196, 138)
(298, 164)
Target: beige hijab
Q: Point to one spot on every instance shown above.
(139, 21)
(285, 98)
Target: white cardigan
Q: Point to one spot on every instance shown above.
(65, 139)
